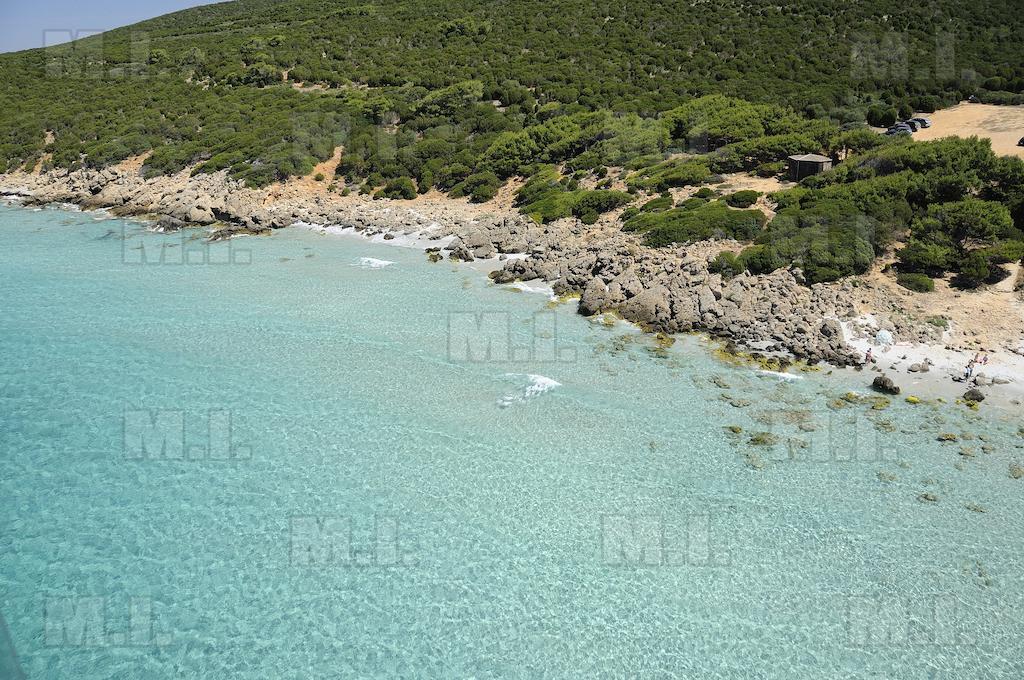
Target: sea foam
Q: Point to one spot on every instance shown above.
(535, 386)
(373, 263)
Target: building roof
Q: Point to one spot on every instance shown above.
(811, 157)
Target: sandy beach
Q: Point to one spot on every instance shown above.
(929, 371)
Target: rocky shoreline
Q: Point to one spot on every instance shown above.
(662, 290)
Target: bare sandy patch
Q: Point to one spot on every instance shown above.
(983, 319)
(743, 182)
(505, 199)
(1004, 125)
(133, 165)
(987, 321)
(308, 186)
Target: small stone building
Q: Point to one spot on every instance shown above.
(808, 164)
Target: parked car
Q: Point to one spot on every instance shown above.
(1021, 142)
(923, 122)
(899, 131)
(912, 124)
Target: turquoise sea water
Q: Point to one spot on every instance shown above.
(287, 466)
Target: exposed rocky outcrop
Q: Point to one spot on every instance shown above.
(673, 292)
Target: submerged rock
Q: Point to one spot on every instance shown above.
(755, 461)
(764, 439)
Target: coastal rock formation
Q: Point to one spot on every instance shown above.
(664, 290)
(672, 292)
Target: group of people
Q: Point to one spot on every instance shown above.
(978, 360)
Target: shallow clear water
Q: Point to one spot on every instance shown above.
(341, 493)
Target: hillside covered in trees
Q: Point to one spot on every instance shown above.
(461, 96)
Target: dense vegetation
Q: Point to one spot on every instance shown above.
(573, 94)
(394, 61)
(959, 208)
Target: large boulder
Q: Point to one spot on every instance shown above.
(974, 394)
(168, 224)
(884, 384)
(484, 252)
(595, 297)
(650, 308)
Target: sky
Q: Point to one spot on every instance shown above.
(25, 24)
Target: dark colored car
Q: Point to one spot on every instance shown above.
(1021, 142)
(900, 129)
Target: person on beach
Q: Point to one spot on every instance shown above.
(868, 358)
(969, 371)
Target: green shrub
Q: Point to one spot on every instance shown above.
(770, 169)
(480, 187)
(925, 257)
(882, 116)
(751, 153)
(974, 270)
(1005, 252)
(920, 283)
(546, 198)
(742, 199)
(450, 175)
(726, 264)
(673, 173)
(629, 213)
(509, 152)
(714, 220)
(691, 203)
(401, 188)
(657, 204)
(761, 260)
(583, 204)
(822, 243)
